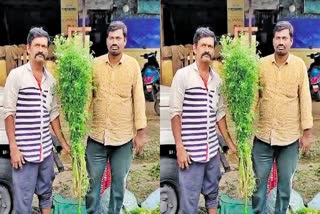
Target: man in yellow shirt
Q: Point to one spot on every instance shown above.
(118, 121)
(284, 120)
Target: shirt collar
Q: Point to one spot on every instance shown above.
(120, 62)
(286, 62)
(45, 71)
(195, 68)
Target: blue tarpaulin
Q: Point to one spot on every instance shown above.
(143, 32)
(306, 32)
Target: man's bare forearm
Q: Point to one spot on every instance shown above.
(56, 127)
(307, 132)
(222, 124)
(10, 129)
(176, 130)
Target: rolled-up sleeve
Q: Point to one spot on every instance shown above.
(11, 91)
(305, 101)
(177, 94)
(54, 113)
(140, 118)
(220, 111)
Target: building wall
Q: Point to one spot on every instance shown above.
(306, 35)
(299, 13)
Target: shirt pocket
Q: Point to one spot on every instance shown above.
(123, 87)
(47, 96)
(289, 89)
(213, 99)
(123, 91)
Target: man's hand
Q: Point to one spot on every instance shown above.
(138, 142)
(232, 146)
(183, 158)
(16, 158)
(305, 142)
(65, 147)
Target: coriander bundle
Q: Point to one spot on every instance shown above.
(74, 74)
(240, 74)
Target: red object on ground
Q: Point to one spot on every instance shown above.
(106, 179)
(273, 178)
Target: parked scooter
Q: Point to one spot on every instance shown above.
(314, 76)
(151, 79)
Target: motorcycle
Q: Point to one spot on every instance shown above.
(314, 76)
(151, 79)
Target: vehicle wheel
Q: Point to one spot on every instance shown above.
(149, 96)
(157, 106)
(317, 96)
(152, 96)
(168, 200)
(5, 200)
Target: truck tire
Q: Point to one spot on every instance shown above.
(5, 200)
(169, 192)
(6, 197)
(169, 203)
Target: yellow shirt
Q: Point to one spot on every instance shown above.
(285, 106)
(118, 101)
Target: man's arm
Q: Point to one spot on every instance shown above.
(55, 124)
(306, 111)
(139, 107)
(176, 131)
(11, 91)
(16, 157)
(56, 127)
(92, 91)
(176, 103)
(222, 124)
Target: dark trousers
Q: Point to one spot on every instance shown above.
(120, 158)
(263, 156)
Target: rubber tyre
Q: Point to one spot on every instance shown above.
(168, 199)
(169, 184)
(317, 96)
(5, 200)
(157, 107)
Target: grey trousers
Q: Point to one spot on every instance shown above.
(33, 178)
(199, 178)
(263, 156)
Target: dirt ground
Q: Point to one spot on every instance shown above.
(143, 178)
(307, 178)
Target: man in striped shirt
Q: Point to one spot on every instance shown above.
(196, 107)
(30, 107)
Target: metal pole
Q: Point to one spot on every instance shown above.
(83, 21)
(250, 21)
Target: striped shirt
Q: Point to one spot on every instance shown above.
(200, 109)
(33, 109)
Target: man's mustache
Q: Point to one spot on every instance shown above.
(40, 54)
(206, 54)
(114, 46)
